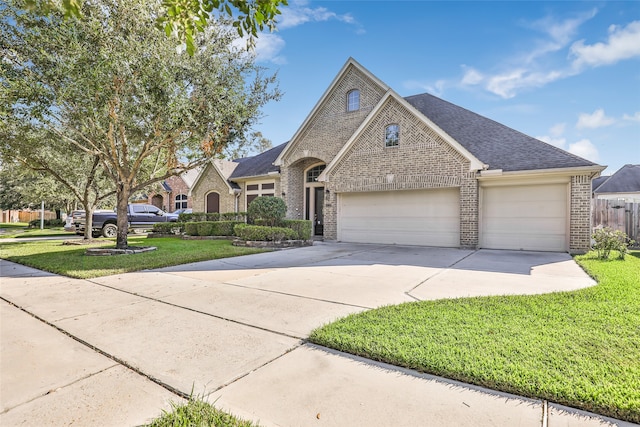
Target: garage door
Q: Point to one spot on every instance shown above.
(527, 217)
(411, 217)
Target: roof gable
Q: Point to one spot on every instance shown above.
(625, 180)
(474, 163)
(350, 65)
(223, 168)
(495, 144)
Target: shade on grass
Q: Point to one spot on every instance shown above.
(70, 260)
(580, 349)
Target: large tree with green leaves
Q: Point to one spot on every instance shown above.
(116, 89)
(185, 18)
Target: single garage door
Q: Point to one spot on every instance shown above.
(410, 217)
(527, 217)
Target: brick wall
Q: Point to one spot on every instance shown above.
(212, 181)
(580, 222)
(422, 160)
(325, 134)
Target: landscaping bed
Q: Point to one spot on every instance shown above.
(578, 349)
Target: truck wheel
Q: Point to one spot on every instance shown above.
(110, 230)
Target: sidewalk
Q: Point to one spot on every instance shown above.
(117, 350)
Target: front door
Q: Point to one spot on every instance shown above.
(314, 208)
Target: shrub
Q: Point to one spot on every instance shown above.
(47, 223)
(301, 226)
(210, 228)
(269, 210)
(168, 227)
(607, 240)
(212, 216)
(262, 233)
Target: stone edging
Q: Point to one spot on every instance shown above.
(107, 251)
(277, 245)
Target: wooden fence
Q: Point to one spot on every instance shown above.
(24, 215)
(618, 215)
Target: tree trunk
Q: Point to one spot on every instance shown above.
(122, 211)
(88, 220)
(58, 214)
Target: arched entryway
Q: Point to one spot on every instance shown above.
(213, 203)
(314, 197)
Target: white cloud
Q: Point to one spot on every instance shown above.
(472, 77)
(297, 13)
(634, 118)
(622, 43)
(558, 129)
(595, 120)
(585, 149)
(268, 48)
(508, 84)
(555, 141)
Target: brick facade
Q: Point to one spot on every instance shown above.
(212, 181)
(166, 200)
(580, 214)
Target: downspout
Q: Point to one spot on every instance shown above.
(237, 192)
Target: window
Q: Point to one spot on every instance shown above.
(181, 201)
(392, 135)
(314, 173)
(353, 100)
(260, 189)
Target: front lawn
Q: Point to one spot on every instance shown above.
(21, 230)
(70, 260)
(580, 349)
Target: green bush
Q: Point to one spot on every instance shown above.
(302, 227)
(168, 227)
(262, 233)
(212, 216)
(47, 223)
(607, 240)
(268, 210)
(210, 228)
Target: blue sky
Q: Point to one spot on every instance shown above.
(566, 72)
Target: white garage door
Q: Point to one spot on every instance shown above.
(411, 217)
(527, 217)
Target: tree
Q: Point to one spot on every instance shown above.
(186, 18)
(244, 146)
(42, 165)
(117, 90)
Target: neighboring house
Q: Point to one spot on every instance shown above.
(370, 166)
(624, 184)
(174, 192)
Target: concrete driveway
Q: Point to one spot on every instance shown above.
(116, 350)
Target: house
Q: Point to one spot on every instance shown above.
(174, 193)
(623, 184)
(368, 165)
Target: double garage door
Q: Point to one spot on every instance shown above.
(410, 217)
(527, 217)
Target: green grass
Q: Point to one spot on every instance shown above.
(70, 260)
(197, 412)
(580, 349)
(34, 232)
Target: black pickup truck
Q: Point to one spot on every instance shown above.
(140, 217)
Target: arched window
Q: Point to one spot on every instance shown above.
(181, 201)
(392, 135)
(314, 173)
(353, 100)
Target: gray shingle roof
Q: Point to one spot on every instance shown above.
(258, 165)
(597, 182)
(625, 180)
(491, 142)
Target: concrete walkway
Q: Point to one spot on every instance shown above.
(117, 350)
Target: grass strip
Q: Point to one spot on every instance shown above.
(196, 412)
(70, 260)
(580, 349)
